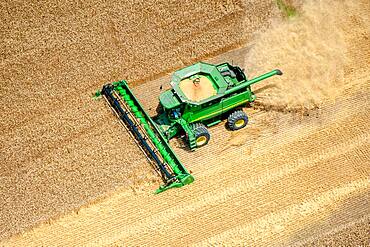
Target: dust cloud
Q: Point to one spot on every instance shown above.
(310, 50)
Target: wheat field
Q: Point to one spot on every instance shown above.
(298, 174)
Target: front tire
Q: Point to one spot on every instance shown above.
(202, 135)
(237, 120)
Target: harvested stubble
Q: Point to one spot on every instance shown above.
(287, 188)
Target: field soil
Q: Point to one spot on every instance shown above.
(298, 174)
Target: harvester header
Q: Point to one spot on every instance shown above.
(147, 135)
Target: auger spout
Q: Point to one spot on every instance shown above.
(253, 81)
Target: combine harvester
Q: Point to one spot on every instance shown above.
(201, 96)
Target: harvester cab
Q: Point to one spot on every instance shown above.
(201, 95)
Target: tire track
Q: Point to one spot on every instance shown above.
(263, 228)
(242, 199)
(267, 148)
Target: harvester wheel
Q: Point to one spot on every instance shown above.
(237, 120)
(201, 133)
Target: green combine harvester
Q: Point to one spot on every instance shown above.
(201, 96)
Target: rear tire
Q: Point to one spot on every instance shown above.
(237, 120)
(201, 133)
